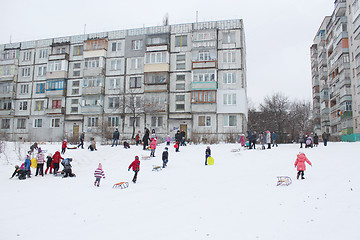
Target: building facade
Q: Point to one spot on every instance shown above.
(189, 77)
(334, 66)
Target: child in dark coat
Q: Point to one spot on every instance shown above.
(49, 164)
(207, 154)
(19, 172)
(165, 157)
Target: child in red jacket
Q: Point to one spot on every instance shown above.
(300, 164)
(135, 165)
(64, 146)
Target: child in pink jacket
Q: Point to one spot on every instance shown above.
(300, 164)
(153, 147)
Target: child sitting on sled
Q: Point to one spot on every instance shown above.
(300, 164)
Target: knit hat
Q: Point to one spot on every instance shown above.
(166, 148)
(39, 150)
(137, 157)
(100, 166)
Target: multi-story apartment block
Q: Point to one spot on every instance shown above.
(189, 77)
(333, 58)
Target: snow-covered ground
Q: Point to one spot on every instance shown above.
(236, 198)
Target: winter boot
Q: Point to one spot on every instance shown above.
(298, 175)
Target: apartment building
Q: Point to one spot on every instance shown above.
(189, 77)
(334, 73)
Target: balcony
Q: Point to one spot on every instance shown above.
(92, 109)
(158, 67)
(93, 90)
(340, 8)
(60, 56)
(56, 74)
(323, 75)
(346, 114)
(204, 85)
(54, 93)
(51, 111)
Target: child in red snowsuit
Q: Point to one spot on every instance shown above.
(64, 146)
(300, 164)
(135, 165)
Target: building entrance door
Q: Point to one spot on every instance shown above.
(184, 127)
(76, 131)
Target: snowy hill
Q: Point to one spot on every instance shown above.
(236, 198)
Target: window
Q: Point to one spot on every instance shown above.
(78, 50)
(27, 56)
(114, 102)
(93, 81)
(203, 96)
(23, 106)
(180, 77)
(113, 121)
(5, 123)
(156, 57)
(39, 105)
(135, 101)
(157, 40)
(5, 87)
(137, 121)
(115, 46)
(75, 91)
(204, 121)
(55, 66)
(77, 65)
(95, 44)
(180, 66)
(135, 82)
(56, 104)
(230, 121)
(41, 71)
(229, 57)
(204, 75)
(229, 37)
(92, 62)
(114, 83)
(180, 98)
(180, 86)
(74, 101)
(135, 63)
(38, 123)
(55, 123)
(76, 83)
(59, 50)
(180, 107)
(8, 55)
(21, 123)
(156, 78)
(180, 61)
(180, 57)
(43, 53)
(76, 73)
(74, 109)
(5, 104)
(53, 85)
(137, 44)
(115, 64)
(204, 56)
(6, 70)
(153, 121)
(229, 99)
(160, 121)
(181, 41)
(24, 88)
(229, 78)
(206, 36)
(25, 72)
(93, 121)
(92, 101)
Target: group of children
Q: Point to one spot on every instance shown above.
(52, 163)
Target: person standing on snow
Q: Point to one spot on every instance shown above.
(249, 137)
(56, 162)
(135, 165)
(40, 159)
(49, 164)
(82, 138)
(300, 164)
(64, 146)
(99, 173)
(27, 166)
(268, 139)
(116, 136)
(274, 137)
(165, 157)
(153, 147)
(207, 154)
(146, 138)
(168, 140)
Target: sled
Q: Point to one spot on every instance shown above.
(121, 185)
(33, 163)
(71, 147)
(145, 157)
(236, 150)
(210, 160)
(157, 168)
(283, 181)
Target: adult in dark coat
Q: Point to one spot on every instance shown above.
(178, 139)
(316, 140)
(325, 137)
(249, 137)
(146, 138)
(82, 138)
(116, 136)
(182, 137)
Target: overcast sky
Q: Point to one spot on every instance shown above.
(278, 33)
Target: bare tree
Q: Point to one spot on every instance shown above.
(300, 118)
